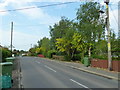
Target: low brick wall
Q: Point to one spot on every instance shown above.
(116, 66)
(58, 57)
(104, 64)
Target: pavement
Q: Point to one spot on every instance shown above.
(46, 73)
(93, 70)
(16, 74)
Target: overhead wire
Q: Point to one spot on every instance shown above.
(36, 7)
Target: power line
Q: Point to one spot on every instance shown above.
(36, 7)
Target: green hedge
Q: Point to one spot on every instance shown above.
(67, 58)
(5, 53)
(100, 56)
(104, 57)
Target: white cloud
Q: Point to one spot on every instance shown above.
(35, 13)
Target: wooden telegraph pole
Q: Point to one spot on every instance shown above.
(108, 36)
(11, 36)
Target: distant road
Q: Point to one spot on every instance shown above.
(41, 73)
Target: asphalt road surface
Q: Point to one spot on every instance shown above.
(41, 73)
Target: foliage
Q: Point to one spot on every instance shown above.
(100, 47)
(51, 53)
(103, 57)
(38, 50)
(76, 57)
(32, 51)
(89, 24)
(83, 37)
(5, 53)
(78, 42)
(64, 28)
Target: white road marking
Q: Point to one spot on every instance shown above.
(78, 83)
(49, 68)
(38, 62)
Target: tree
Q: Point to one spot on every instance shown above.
(70, 45)
(89, 23)
(32, 51)
(64, 45)
(61, 29)
(45, 46)
(78, 43)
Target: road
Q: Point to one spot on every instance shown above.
(41, 73)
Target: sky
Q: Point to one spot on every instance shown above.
(31, 25)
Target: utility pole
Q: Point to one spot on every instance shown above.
(108, 36)
(11, 36)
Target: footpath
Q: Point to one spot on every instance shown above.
(97, 71)
(93, 70)
(16, 74)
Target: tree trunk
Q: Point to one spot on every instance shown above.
(89, 51)
(72, 53)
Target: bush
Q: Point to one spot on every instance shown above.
(100, 57)
(5, 53)
(45, 54)
(51, 53)
(76, 57)
(67, 58)
(115, 58)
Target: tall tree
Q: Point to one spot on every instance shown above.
(88, 23)
(61, 29)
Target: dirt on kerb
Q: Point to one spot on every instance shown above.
(16, 73)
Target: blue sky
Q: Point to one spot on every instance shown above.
(33, 24)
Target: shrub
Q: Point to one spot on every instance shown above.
(5, 53)
(45, 54)
(100, 56)
(51, 53)
(76, 57)
(67, 58)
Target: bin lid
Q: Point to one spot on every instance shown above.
(6, 63)
(10, 58)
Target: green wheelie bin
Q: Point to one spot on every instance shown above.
(10, 59)
(86, 61)
(5, 81)
(7, 68)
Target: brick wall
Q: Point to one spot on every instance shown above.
(104, 64)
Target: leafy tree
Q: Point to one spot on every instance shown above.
(45, 46)
(32, 51)
(70, 45)
(88, 22)
(61, 30)
(78, 43)
(38, 50)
